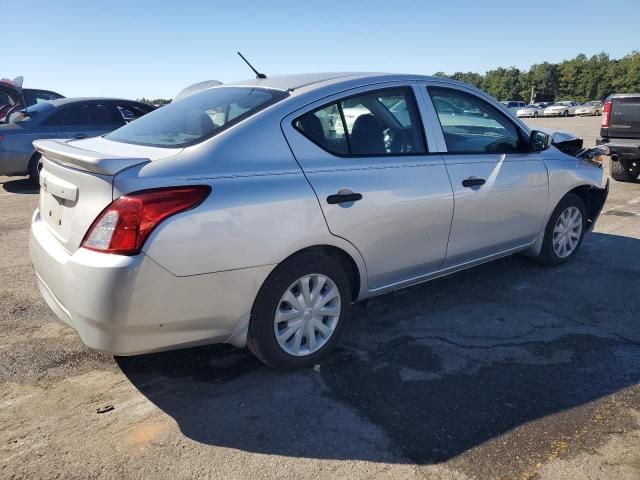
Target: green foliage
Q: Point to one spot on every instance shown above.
(580, 79)
(157, 101)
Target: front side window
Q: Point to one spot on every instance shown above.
(384, 122)
(197, 117)
(477, 127)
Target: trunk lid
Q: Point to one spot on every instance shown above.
(76, 182)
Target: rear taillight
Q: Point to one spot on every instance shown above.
(1, 137)
(606, 114)
(125, 225)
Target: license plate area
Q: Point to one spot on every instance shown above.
(56, 215)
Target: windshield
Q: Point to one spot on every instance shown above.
(197, 117)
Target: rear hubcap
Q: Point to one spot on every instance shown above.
(307, 315)
(567, 232)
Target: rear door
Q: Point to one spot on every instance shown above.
(625, 117)
(365, 155)
(500, 189)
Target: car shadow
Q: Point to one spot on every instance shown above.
(426, 373)
(21, 185)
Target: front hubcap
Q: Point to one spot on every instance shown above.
(567, 231)
(307, 315)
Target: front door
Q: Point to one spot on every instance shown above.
(500, 188)
(366, 156)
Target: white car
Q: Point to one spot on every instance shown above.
(514, 105)
(590, 108)
(530, 111)
(561, 109)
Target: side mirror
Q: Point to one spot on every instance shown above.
(539, 141)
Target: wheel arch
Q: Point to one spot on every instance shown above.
(355, 272)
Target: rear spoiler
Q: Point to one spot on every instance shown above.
(60, 151)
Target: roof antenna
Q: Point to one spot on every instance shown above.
(258, 74)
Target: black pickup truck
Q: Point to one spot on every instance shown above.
(620, 131)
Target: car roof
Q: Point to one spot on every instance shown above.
(310, 81)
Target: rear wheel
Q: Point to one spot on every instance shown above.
(623, 172)
(300, 312)
(35, 165)
(564, 232)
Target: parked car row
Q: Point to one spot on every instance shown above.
(557, 109)
(31, 114)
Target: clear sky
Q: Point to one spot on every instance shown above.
(153, 48)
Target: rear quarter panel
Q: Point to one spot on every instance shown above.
(261, 209)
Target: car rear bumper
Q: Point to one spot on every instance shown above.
(13, 163)
(131, 305)
(621, 147)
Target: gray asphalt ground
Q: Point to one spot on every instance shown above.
(506, 371)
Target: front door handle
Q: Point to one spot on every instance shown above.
(344, 198)
(473, 182)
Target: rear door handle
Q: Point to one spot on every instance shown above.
(343, 198)
(79, 136)
(473, 182)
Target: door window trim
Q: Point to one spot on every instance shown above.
(522, 136)
(406, 88)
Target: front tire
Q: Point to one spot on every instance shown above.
(535, 114)
(565, 113)
(300, 312)
(564, 231)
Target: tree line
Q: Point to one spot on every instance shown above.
(580, 79)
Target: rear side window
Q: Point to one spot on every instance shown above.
(105, 114)
(76, 115)
(475, 126)
(384, 122)
(197, 117)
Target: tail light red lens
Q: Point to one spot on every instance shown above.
(125, 225)
(606, 114)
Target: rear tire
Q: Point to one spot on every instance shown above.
(35, 165)
(621, 172)
(550, 254)
(270, 304)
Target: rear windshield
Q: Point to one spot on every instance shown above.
(196, 117)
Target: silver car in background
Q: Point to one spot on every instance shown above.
(61, 118)
(255, 213)
(593, 108)
(530, 111)
(561, 109)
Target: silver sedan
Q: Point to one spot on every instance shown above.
(256, 214)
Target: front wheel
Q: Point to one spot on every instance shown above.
(564, 231)
(565, 113)
(535, 114)
(300, 312)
